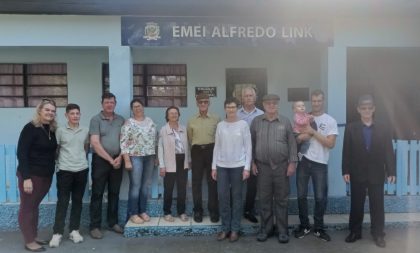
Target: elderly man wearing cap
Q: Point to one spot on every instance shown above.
(274, 159)
(201, 131)
(368, 157)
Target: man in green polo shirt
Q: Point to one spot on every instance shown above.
(201, 133)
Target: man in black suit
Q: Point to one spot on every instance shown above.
(368, 158)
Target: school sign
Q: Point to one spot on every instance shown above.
(214, 32)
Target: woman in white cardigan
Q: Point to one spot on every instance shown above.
(174, 159)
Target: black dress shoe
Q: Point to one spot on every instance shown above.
(283, 238)
(352, 237)
(251, 217)
(198, 217)
(380, 242)
(40, 249)
(214, 218)
(262, 237)
(41, 241)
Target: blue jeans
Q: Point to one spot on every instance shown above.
(319, 174)
(229, 181)
(140, 182)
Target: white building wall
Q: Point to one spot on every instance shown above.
(57, 30)
(83, 43)
(286, 68)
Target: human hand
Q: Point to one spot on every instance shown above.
(391, 179)
(291, 168)
(245, 175)
(346, 178)
(28, 186)
(214, 174)
(311, 118)
(162, 172)
(128, 165)
(254, 169)
(117, 163)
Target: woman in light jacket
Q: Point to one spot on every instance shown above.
(174, 159)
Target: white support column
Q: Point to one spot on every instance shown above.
(121, 77)
(336, 107)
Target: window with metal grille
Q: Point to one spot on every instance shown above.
(157, 85)
(24, 85)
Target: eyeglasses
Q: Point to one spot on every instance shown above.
(365, 108)
(271, 103)
(203, 102)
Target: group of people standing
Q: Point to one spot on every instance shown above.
(260, 147)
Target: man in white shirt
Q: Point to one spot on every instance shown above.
(248, 112)
(314, 165)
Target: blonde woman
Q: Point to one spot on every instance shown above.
(36, 155)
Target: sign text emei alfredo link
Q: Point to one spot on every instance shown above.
(190, 32)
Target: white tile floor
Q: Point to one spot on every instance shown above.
(154, 221)
(293, 220)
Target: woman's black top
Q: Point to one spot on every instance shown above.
(36, 151)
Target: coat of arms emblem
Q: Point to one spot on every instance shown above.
(151, 31)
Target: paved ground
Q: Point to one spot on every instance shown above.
(399, 240)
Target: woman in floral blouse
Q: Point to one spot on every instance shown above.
(138, 147)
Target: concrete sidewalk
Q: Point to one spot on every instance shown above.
(402, 236)
(399, 240)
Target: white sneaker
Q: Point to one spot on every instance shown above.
(55, 240)
(75, 236)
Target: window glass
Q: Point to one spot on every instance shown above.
(157, 85)
(24, 85)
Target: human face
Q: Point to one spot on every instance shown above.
(366, 111)
(248, 98)
(203, 105)
(138, 109)
(231, 110)
(73, 116)
(173, 115)
(47, 113)
(108, 105)
(317, 103)
(271, 106)
(299, 107)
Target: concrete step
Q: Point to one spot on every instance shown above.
(157, 226)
